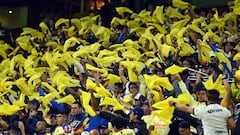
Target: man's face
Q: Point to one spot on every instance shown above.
(61, 119)
(202, 96)
(184, 131)
(133, 89)
(53, 120)
(115, 90)
(146, 109)
(133, 116)
(75, 109)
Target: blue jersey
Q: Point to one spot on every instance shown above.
(78, 122)
(93, 123)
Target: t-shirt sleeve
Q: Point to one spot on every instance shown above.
(199, 111)
(228, 113)
(127, 89)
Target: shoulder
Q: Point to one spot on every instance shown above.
(125, 132)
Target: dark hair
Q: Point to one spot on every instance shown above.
(119, 85)
(66, 109)
(215, 67)
(118, 122)
(200, 87)
(132, 83)
(78, 103)
(213, 95)
(120, 112)
(184, 124)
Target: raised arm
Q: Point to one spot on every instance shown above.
(181, 107)
(121, 74)
(231, 123)
(227, 98)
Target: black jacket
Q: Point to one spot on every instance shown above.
(139, 127)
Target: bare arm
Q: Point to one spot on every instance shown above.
(94, 102)
(3, 124)
(121, 74)
(76, 94)
(126, 105)
(231, 123)
(176, 55)
(199, 51)
(21, 127)
(181, 107)
(227, 86)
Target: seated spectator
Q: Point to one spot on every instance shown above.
(63, 127)
(184, 128)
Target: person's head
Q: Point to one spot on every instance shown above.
(76, 108)
(62, 118)
(202, 95)
(118, 88)
(118, 123)
(136, 114)
(53, 119)
(133, 88)
(213, 96)
(52, 23)
(94, 132)
(62, 115)
(213, 68)
(34, 104)
(41, 126)
(201, 92)
(32, 113)
(187, 63)
(228, 46)
(146, 108)
(22, 114)
(184, 128)
(119, 113)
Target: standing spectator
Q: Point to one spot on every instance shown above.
(215, 119)
(236, 130)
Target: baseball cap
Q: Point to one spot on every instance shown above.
(138, 111)
(35, 102)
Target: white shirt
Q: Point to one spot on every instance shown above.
(214, 119)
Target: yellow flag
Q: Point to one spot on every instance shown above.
(174, 69)
(113, 102)
(69, 99)
(86, 98)
(217, 85)
(180, 4)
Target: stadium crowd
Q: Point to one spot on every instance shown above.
(171, 71)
